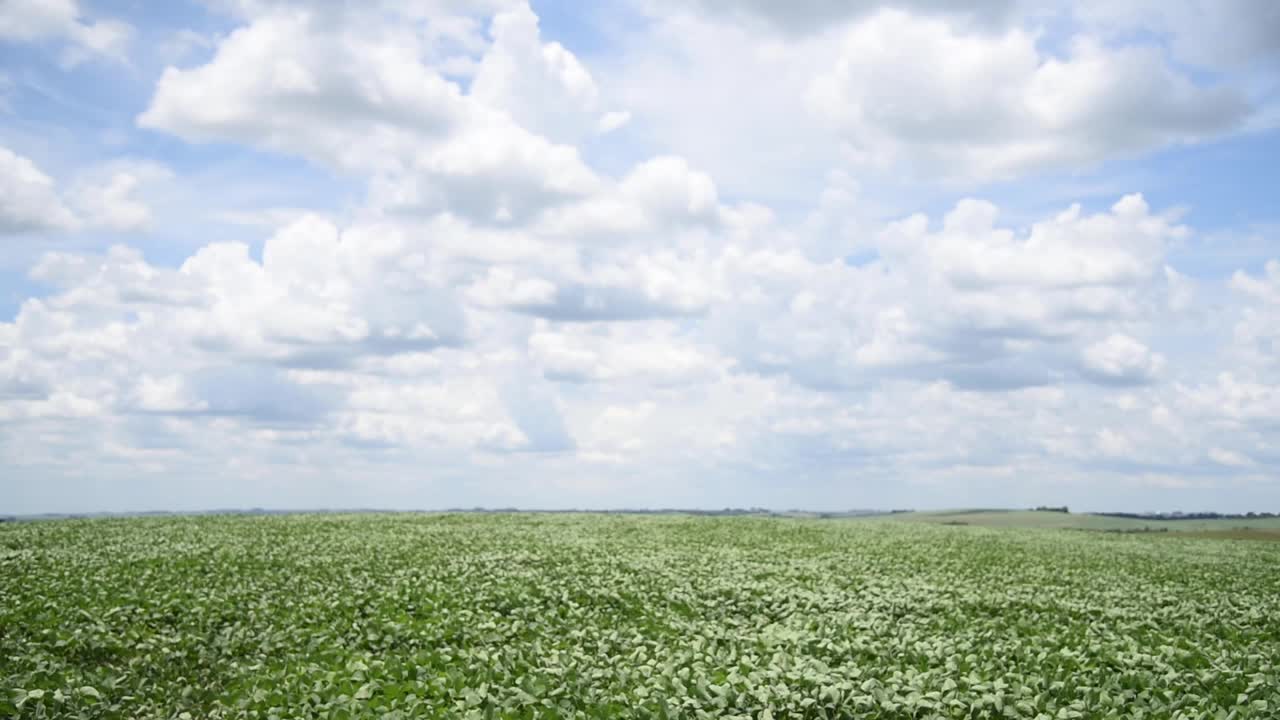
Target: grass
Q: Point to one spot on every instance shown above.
(590, 616)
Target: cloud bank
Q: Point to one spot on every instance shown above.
(646, 275)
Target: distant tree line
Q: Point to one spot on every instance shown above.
(728, 511)
(620, 511)
(1051, 508)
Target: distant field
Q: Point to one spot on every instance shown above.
(1075, 521)
(592, 616)
(1239, 534)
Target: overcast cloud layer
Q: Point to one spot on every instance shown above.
(887, 253)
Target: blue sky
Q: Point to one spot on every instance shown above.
(888, 253)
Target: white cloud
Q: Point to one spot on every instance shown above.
(817, 15)
(105, 196)
(613, 120)
(1234, 420)
(360, 98)
(1256, 330)
(667, 186)
(333, 340)
(465, 412)
(28, 199)
(1113, 444)
(542, 86)
(975, 303)
(768, 114)
(1122, 359)
(322, 296)
(166, 395)
(661, 285)
(1229, 458)
(1266, 288)
(108, 196)
(34, 20)
(727, 98)
(510, 301)
(289, 82)
(1211, 33)
(999, 107)
(654, 203)
(654, 353)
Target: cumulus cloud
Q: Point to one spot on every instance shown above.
(1256, 332)
(1211, 33)
(102, 197)
(542, 86)
(972, 302)
(999, 107)
(1265, 288)
(109, 196)
(367, 337)
(812, 15)
(654, 353)
(767, 113)
(654, 202)
(613, 120)
(34, 20)
(1121, 359)
(28, 199)
(321, 296)
(740, 92)
(511, 301)
(361, 99)
(1236, 417)
(298, 98)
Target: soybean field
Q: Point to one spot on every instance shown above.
(612, 616)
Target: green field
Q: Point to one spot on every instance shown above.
(590, 616)
(1079, 521)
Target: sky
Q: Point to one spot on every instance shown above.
(822, 254)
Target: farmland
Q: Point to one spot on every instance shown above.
(1083, 521)
(523, 616)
